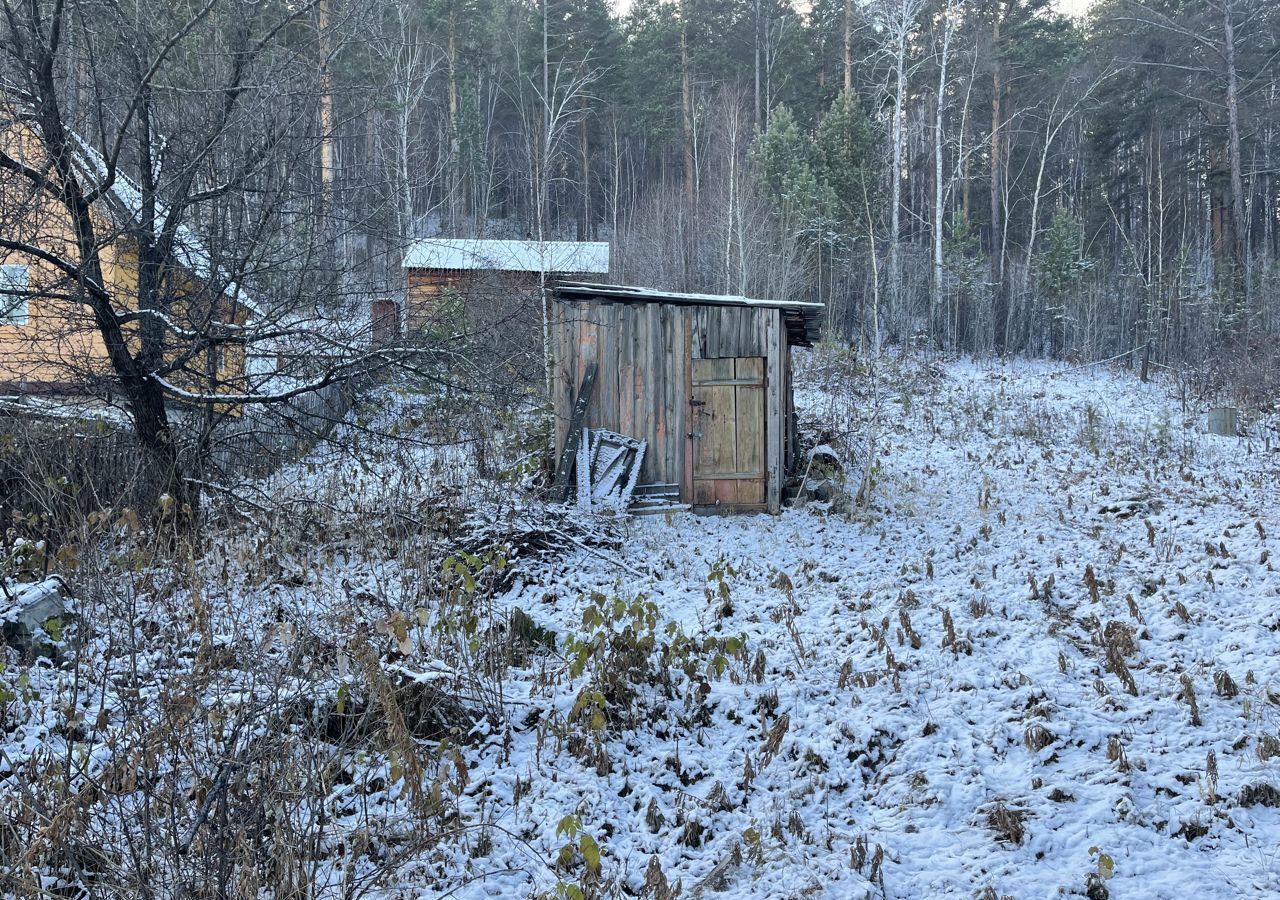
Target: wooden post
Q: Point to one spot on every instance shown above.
(773, 382)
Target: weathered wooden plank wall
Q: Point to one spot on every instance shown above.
(639, 391)
(644, 352)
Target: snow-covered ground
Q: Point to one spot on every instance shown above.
(1044, 651)
(1001, 493)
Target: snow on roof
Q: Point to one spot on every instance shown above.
(584, 289)
(509, 256)
(188, 249)
(803, 319)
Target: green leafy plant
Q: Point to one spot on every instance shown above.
(580, 850)
(622, 646)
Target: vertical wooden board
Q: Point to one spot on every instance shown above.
(642, 377)
(638, 349)
(757, 332)
(751, 491)
(561, 393)
(749, 367)
(600, 334)
(726, 491)
(669, 468)
(659, 369)
(750, 430)
(622, 371)
(685, 320)
(773, 412)
(611, 333)
(593, 346)
(582, 331)
(639, 374)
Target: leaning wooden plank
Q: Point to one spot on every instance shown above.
(584, 471)
(561, 487)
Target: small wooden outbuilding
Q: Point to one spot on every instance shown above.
(704, 380)
(476, 268)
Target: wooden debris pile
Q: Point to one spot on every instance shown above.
(608, 467)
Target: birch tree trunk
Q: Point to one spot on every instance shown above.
(1239, 250)
(326, 110)
(848, 45)
(902, 20)
(1000, 301)
(935, 302)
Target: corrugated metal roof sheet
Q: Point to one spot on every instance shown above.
(579, 257)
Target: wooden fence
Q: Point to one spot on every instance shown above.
(64, 467)
(265, 438)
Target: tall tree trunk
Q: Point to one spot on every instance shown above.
(584, 229)
(899, 126)
(848, 45)
(999, 312)
(456, 206)
(1240, 256)
(935, 303)
(757, 121)
(686, 111)
(326, 111)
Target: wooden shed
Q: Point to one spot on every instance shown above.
(704, 380)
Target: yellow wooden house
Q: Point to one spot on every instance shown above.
(49, 342)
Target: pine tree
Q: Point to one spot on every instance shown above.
(848, 162)
(784, 159)
(1061, 266)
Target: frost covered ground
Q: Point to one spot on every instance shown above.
(986, 758)
(1044, 651)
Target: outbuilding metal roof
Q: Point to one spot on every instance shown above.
(803, 319)
(576, 257)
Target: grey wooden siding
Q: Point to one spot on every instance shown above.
(643, 385)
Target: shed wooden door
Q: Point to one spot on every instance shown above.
(728, 431)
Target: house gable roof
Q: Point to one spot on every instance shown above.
(189, 251)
